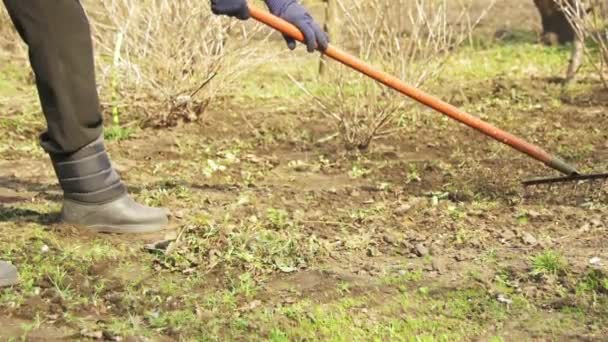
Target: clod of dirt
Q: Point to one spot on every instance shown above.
(300, 166)
(507, 235)
(463, 256)
(390, 239)
(421, 250)
(436, 248)
(528, 239)
(250, 306)
(158, 246)
(96, 335)
(373, 252)
(135, 339)
(440, 265)
(108, 336)
(585, 228)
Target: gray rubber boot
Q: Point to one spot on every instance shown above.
(95, 197)
(8, 274)
(122, 216)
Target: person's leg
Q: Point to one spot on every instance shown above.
(61, 54)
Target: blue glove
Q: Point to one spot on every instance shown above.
(294, 13)
(231, 8)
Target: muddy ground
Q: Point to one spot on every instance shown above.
(280, 234)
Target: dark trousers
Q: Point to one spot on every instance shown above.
(58, 35)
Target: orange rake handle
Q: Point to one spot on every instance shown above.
(355, 63)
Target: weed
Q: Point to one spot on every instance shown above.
(358, 171)
(118, 133)
(413, 176)
(278, 218)
(594, 281)
(548, 263)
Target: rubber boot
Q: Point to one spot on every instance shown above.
(95, 197)
(8, 274)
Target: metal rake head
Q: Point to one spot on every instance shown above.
(569, 190)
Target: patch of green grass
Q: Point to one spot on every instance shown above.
(401, 280)
(515, 60)
(118, 133)
(594, 282)
(548, 263)
(434, 316)
(177, 321)
(131, 325)
(278, 218)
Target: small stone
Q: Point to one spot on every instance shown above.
(503, 299)
(44, 249)
(390, 239)
(179, 214)
(528, 239)
(373, 252)
(597, 223)
(434, 201)
(300, 166)
(585, 228)
(421, 250)
(595, 261)
(403, 209)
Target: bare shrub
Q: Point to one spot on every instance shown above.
(166, 60)
(409, 39)
(590, 21)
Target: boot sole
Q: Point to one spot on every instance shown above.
(4, 282)
(127, 229)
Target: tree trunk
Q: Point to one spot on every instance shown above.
(556, 28)
(576, 59)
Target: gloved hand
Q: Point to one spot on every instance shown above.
(231, 8)
(293, 12)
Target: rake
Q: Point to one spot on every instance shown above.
(570, 173)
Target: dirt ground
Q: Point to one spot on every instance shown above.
(279, 234)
